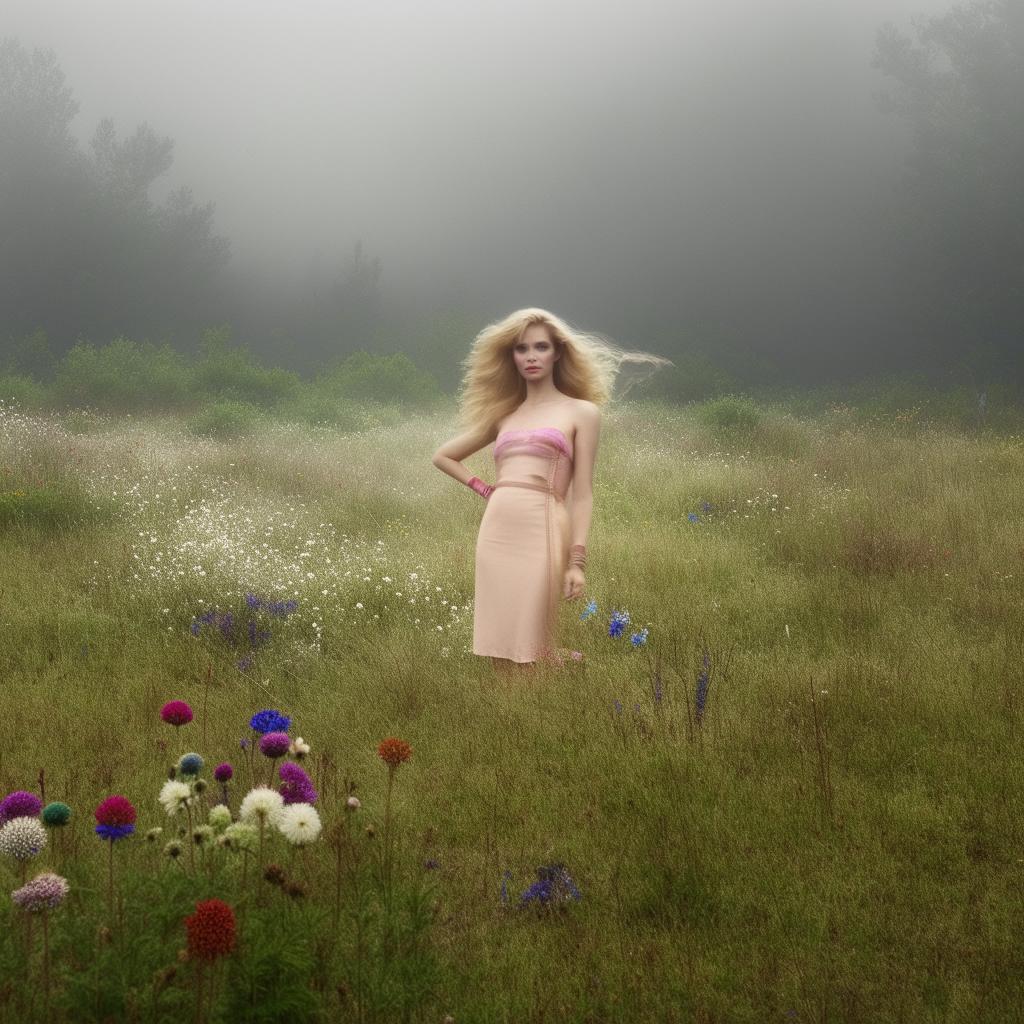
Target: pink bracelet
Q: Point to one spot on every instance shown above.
(484, 490)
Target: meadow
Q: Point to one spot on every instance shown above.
(781, 781)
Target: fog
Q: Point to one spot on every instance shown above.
(665, 173)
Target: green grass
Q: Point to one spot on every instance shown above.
(858, 858)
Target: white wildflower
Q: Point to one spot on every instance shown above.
(299, 824)
(261, 804)
(175, 796)
(298, 748)
(220, 816)
(22, 838)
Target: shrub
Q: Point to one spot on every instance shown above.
(232, 373)
(22, 391)
(51, 507)
(730, 414)
(392, 378)
(224, 419)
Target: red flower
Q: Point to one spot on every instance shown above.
(211, 930)
(394, 751)
(116, 810)
(176, 712)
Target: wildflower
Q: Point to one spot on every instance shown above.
(239, 836)
(617, 624)
(636, 639)
(591, 609)
(211, 930)
(190, 764)
(299, 824)
(693, 517)
(296, 786)
(296, 890)
(576, 655)
(153, 834)
(175, 796)
(254, 601)
(394, 752)
(269, 720)
(703, 682)
(274, 874)
(617, 704)
(173, 849)
(220, 816)
(199, 786)
(274, 744)
(261, 804)
(430, 864)
(298, 748)
(22, 838)
(44, 892)
(176, 713)
(56, 815)
(245, 663)
(223, 772)
(19, 804)
(554, 887)
(115, 817)
(353, 803)
(201, 834)
(505, 879)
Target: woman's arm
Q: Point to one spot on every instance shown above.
(448, 458)
(588, 430)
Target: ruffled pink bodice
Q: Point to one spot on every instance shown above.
(538, 455)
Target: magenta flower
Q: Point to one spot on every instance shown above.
(19, 804)
(296, 786)
(223, 772)
(275, 744)
(116, 817)
(176, 713)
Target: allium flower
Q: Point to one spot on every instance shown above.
(211, 930)
(202, 834)
(175, 796)
(239, 836)
(269, 720)
(176, 713)
(19, 804)
(56, 815)
(298, 748)
(22, 838)
(296, 786)
(274, 744)
(394, 752)
(44, 892)
(116, 817)
(299, 824)
(261, 804)
(219, 816)
(223, 772)
(190, 764)
(353, 803)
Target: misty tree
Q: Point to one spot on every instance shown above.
(961, 87)
(83, 250)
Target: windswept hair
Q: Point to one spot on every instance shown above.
(587, 367)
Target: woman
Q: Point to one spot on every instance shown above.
(533, 385)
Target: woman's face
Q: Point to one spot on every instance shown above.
(535, 354)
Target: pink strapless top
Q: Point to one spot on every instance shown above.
(539, 438)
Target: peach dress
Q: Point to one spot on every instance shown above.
(522, 549)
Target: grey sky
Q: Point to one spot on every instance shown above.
(526, 152)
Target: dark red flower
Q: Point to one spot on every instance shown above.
(394, 751)
(116, 810)
(176, 712)
(211, 930)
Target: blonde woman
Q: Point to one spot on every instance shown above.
(534, 386)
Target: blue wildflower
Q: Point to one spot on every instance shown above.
(113, 832)
(706, 507)
(617, 704)
(254, 601)
(190, 764)
(693, 517)
(195, 627)
(281, 608)
(554, 887)
(703, 682)
(505, 879)
(589, 610)
(617, 624)
(269, 720)
(245, 663)
(636, 639)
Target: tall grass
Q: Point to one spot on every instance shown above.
(837, 839)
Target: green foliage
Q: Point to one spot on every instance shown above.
(730, 415)
(123, 376)
(52, 507)
(390, 378)
(22, 391)
(224, 419)
(226, 371)
(315, 404)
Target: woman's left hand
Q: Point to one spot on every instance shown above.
(575, 581)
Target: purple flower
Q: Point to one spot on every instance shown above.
(254, 601)
(554, 886)
(296, 786)
(703, 682)
(275, 744)
(223, 772)
(19, 804)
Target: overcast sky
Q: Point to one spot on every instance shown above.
(537, 153)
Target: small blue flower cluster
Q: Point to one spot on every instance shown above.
(617, 624)
(554, 887)
(269, 720)
(703, 682)
(247, 632)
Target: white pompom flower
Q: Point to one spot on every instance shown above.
(175, 796)
(219, 816)
(261, 804)
(299, 824)
(22, 838)
(298, 748)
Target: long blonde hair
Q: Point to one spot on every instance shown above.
(587, 367)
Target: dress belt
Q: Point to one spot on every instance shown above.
(532, 486)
